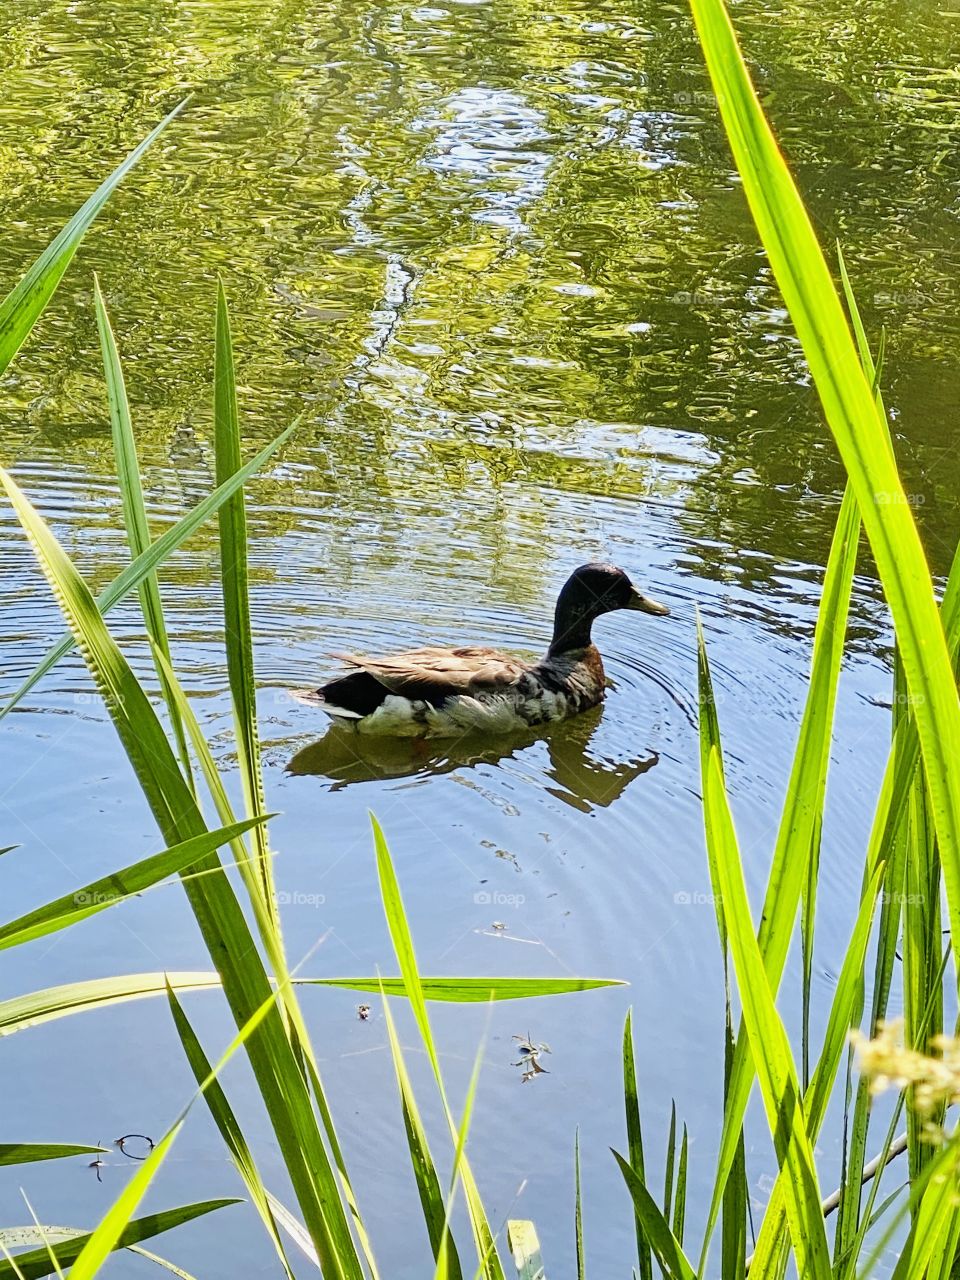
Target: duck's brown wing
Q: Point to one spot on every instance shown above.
(433, 675)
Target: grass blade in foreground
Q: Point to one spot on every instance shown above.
(112, 889)
(631, 1102)
(798, 831)
(851, 412)
(165, 545)
(470, 990)
(406, 957)
(22, 307)
(226, 1122)
(770, 1047)
(236, 605)
(134, 508)
(226, 933)
(37, 1262)
(28, 1152)
(424, 1169)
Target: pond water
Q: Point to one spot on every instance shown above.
(497, 257)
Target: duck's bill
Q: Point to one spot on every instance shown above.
(644, 604)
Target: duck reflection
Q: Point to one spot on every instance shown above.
(580, 777)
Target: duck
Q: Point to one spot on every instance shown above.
(444, 692)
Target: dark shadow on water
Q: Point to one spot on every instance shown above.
(574, 773)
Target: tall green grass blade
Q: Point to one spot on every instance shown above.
(22, 307)
(669, 1252)
(29, 1152)
(134, 507)
(443, 1268)
(799, 827)
(845, 1012)
(219, 915)
(106, 1235)
(680, 1201)
(407, 960)
(37, 1262)
(424, 1169)
(227, 1123)
(669, 1162)
(734, 1205)
(145, 564)
(631, 1102)
(471, 990)
(294, 1229)
(769, 1045)
(234, 576)
(857, 427)
(121, 885)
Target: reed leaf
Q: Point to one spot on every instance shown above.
(37, 1262)
(859, 430)
(118, 887)
(631, 1102)
(228, 1125)
(769, 1045)
(219, 915)
(234, 577)
(407, 960)
(29, 1152)
(669, 1252)
(134, 507)
(159, 551)
(23, 306)
(424, 1169)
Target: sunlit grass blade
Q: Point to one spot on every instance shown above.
(631, 1101)
(294, 1229)
(407, 960)
(424, 1168)
(669, 1252)
(36, 1262)
(471, 990)
(443, 1269)
(28, 1152)
(669, 1162)
(105, 1237)
(680, 1195)
(857, 427)
(225, 930)
(134, 507)
(769, 1045)
(799, 827)
(110, 890)
(845, 1012)
(159, 551)
(226, 1122)
(22, 307)
(264, 914)
(235, 579)
(19, 1013)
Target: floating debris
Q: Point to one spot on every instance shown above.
(363, 1012)
(530, 1053)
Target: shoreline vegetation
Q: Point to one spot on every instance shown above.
(911, 872)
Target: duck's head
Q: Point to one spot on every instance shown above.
(590, 591)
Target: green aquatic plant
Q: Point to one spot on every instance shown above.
(251, 968)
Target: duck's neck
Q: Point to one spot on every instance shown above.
(571, 629)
